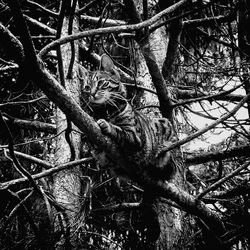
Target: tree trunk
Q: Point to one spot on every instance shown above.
(154, 50)
(67, 183)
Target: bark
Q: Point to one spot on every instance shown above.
(150, 61)
(67, 183)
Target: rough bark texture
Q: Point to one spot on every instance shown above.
(154, 50)
(67, 184)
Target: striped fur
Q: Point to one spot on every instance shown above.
(140, 138)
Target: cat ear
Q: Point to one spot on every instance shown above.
(108, 66)
(107, 63)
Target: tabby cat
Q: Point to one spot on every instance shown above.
(139, 138)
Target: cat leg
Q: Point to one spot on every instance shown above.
(121, 136)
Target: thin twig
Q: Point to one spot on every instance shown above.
(115, 29)
(223, 180)
(45, 173)
(209, 127)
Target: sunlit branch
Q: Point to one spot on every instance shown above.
(104, 23)
(209, 127)
(43, 9)
(33, 159)
(40, 26)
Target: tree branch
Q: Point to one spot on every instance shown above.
(35, 125)
(12, 44)
(207, 128)
(115, 29)
(218, 155)
(222, 180)
(40, 26)
(54, 169)
(194, 96)
(118, 207)
(43, 9)
(32, 159)
(104, 23)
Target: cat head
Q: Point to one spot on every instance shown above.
(104, 86)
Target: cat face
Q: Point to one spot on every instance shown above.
(104, 86)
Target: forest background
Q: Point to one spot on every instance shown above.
(185, 60)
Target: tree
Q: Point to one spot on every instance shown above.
(181, 59)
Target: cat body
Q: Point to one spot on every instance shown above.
(139, 138)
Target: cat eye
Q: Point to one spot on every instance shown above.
(103, 84)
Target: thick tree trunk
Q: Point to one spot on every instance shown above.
(154, 50)
(67, 183)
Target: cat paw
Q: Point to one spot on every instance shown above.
(104, 126)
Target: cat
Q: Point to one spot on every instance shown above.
(140, 139)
